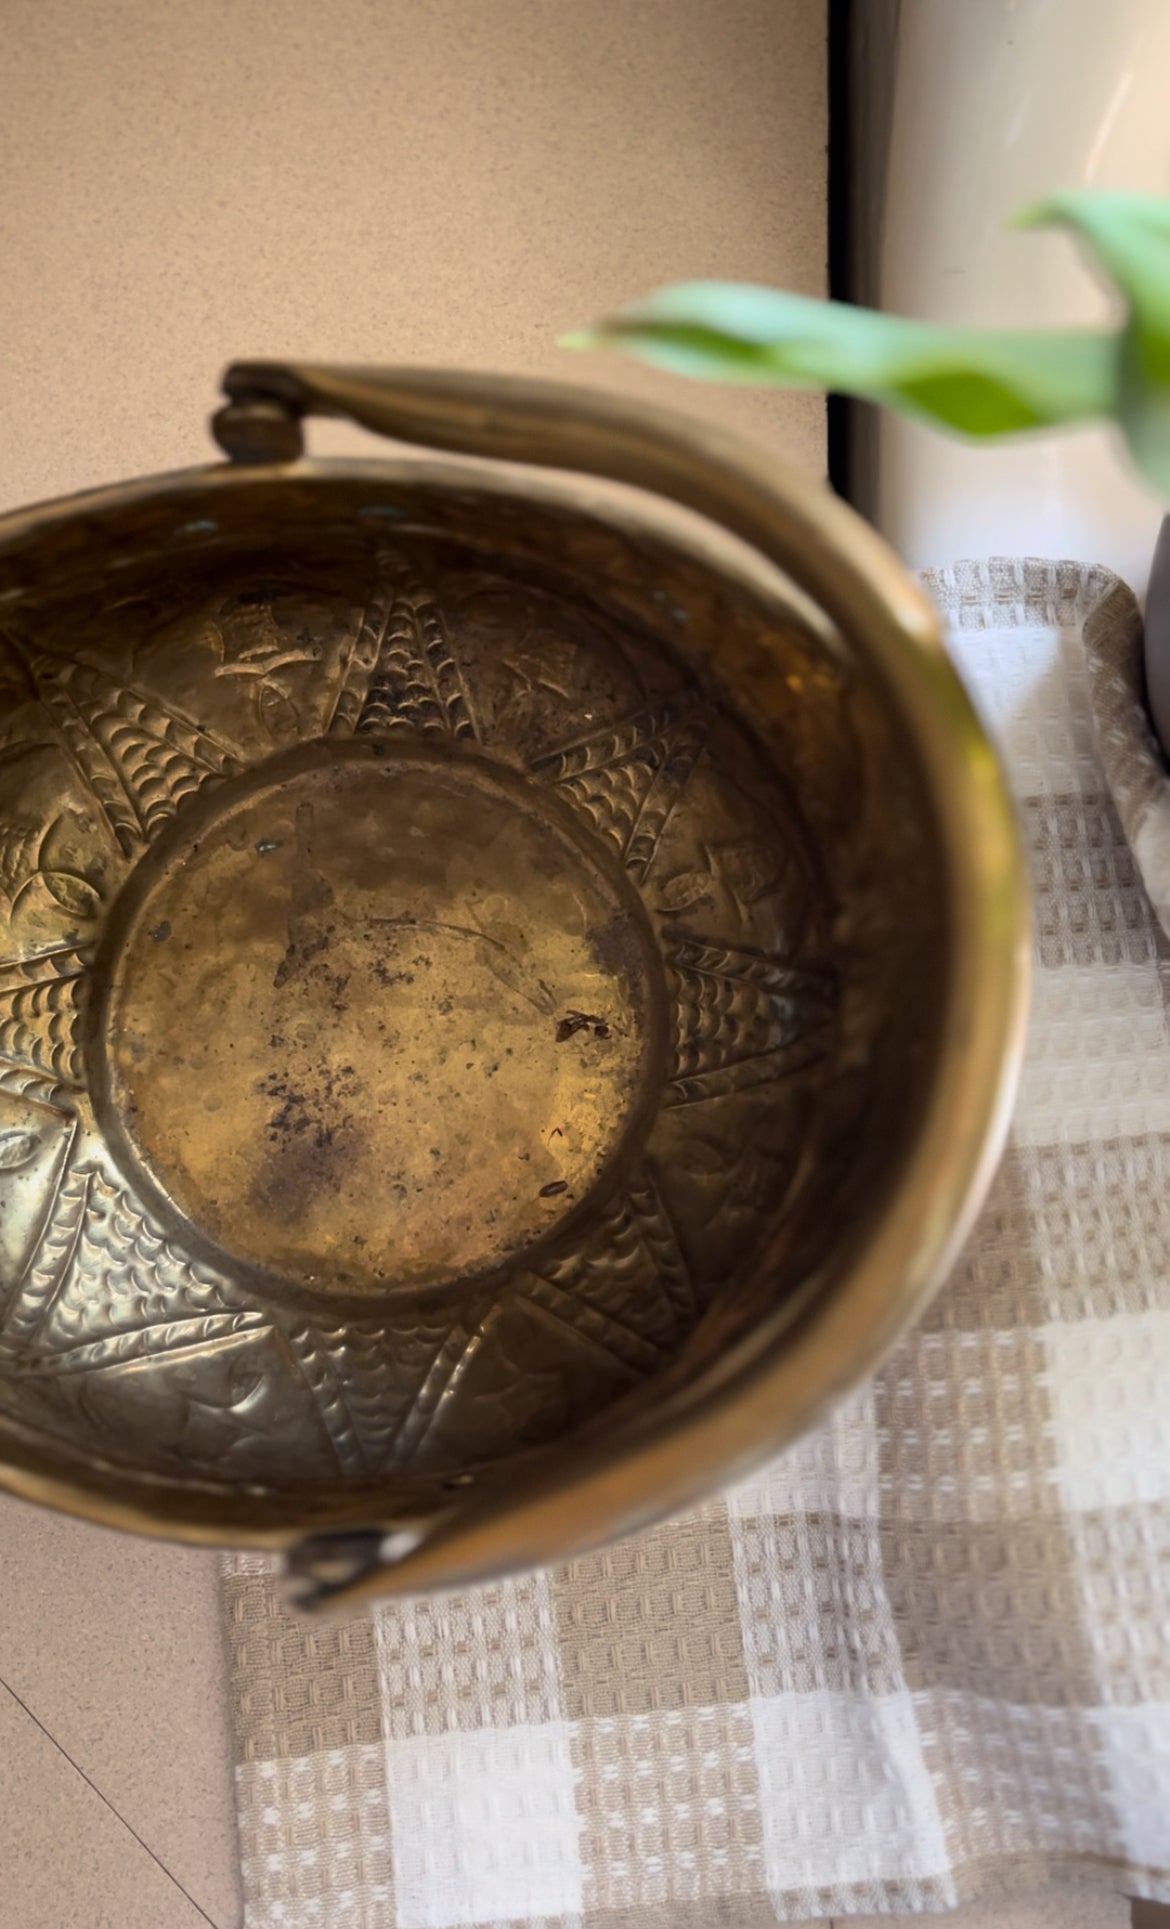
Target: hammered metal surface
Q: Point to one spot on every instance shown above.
(414, 992)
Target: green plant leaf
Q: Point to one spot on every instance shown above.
(990, 382)
(978, 382)
(1128, 235)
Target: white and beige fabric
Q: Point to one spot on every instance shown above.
(923, 1657)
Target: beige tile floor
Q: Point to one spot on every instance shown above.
(114, 1760)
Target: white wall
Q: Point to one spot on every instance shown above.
(998, 102)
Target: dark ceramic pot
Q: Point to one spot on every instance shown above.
(1158, 638)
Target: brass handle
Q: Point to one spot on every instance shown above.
(815, 539)
(819, 543)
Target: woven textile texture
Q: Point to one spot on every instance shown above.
(922, 1657)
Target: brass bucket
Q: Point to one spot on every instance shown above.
(511, 993)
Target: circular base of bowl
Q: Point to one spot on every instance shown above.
(375, 1017)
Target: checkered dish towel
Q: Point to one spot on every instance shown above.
(924, 1654)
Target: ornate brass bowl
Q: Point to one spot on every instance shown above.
(508, 996)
